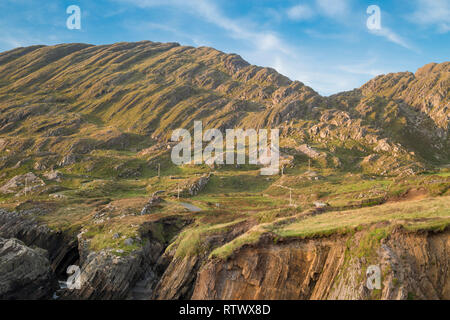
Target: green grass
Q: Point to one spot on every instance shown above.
(226, 250)
(429, 213)
(234, 182)
(191, 241)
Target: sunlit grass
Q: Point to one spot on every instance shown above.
(423, 214)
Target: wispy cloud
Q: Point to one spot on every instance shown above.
(10, 42)
(262, 47)
(334, 8)
(139, 27)
(263, 40)
(300, 12)
(391, 36)
(433, 13)
(367, 68)
(258, 44)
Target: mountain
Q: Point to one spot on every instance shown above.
(85, 173)
(74, 97)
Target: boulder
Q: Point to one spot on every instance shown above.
(128, 242)
(68, 160)
(310, 152)
(53, 176)
(154, 202)
(198, 185)
(25, 273)
(320, 205)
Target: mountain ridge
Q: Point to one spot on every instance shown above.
(148, 88)
(86, 174)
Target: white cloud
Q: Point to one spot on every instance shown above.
(196, 40)
(366, 68)
(444, 28)
(433, 13)
(11, 42)
(263, 40)
(264, 47)
(334, 8)
(392, 37)
(300, 12)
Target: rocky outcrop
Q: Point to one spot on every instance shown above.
(22, 184)
(68, 160)
(25, 273)
(198, 185)
(407, 109)
(62, 248)
(151, 205)
(113, 274)
(412, 266)
(53, 176)
(310, 152)
(191, 187)
(107, 275)
(178, 273)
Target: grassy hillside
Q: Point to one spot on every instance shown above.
(84, 130)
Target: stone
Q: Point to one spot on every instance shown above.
(310, 152)
(25, 273)
(320, 205)
(128, 242)
(68, 160)
(53, 176)
(28, 181)
(154, 202)
(198, 185)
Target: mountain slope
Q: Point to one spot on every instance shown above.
(70, 99)
(85, 173)
(412, 108)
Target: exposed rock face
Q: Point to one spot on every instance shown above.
(178, 278)
(178, 274)
(310, 152)
(62, 249)
(410, 110)
(191, 187)
(68, 160)
(107, 274)
(151, 204)
(412, 266)
(25, 273)
(28, 182)
(53, 176)
(198, 185)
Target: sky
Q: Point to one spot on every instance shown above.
(325, 44)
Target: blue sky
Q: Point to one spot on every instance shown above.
(323, 43)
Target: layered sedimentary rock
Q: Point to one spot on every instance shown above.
(25, 273)
(413, 266)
